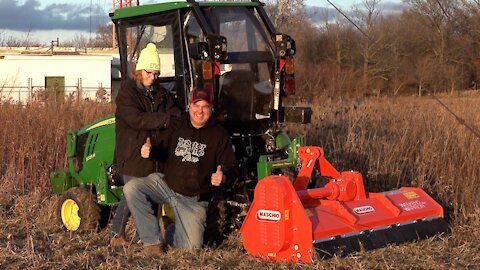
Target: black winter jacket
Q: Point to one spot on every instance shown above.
(194, 154)
(139, 114)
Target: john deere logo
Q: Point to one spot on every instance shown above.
(268, 215)
(364, 209)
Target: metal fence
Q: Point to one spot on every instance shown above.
(32, 93)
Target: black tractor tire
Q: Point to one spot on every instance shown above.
(78, 210)
(217, 217)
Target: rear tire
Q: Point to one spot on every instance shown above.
(78, 210)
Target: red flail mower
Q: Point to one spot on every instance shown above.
(288, 222)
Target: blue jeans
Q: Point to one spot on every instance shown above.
(121, 213)
(190, 214)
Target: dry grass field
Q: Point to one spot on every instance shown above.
(394, 142)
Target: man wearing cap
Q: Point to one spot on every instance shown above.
(143, 109)
(199, 157)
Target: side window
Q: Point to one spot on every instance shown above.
(241, 32)
(194, 32)
(162, 36)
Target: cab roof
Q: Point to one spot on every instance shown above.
(128, 12)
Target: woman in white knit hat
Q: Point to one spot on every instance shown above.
(143, 111)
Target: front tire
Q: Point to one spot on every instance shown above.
(78, 210)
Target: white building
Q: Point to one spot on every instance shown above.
(37, 74)
(24, 77)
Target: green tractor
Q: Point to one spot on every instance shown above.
(230, 47)
(88, 185)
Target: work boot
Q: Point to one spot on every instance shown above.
(118, 241)
(156, 250)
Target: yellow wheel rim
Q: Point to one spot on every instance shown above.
(69, 213)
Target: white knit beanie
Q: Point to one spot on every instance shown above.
(149, 58)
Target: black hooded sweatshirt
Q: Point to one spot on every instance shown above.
(194, 154)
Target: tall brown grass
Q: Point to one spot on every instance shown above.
(32, 139)
(394, 142)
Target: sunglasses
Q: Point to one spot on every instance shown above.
(152, 73)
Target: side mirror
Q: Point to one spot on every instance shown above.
(198, 50)
(218, 46)
(215, 48)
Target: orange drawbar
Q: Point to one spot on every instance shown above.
(288, 222)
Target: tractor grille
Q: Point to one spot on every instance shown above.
(92, 141)
(81, 142)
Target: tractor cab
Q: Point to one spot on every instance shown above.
(230, 48)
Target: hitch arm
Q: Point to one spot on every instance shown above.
(345, 186)
(313, 157)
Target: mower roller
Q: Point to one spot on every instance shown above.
(288, 222)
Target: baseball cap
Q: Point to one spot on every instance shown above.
(201, 94)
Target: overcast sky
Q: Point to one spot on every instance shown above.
(31, 15)
(44, 20)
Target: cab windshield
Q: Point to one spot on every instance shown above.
(246, 77)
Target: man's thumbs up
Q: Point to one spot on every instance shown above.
(218, 176)
(146, 148)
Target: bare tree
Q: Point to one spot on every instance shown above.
(392, 57)
(103, 38)
(2, 37)
(372, 44)
(453, 39)
(424, 67)
(10, 40)
(471, 19)
(79, 40)
(336, 39)
(286, 12)
(439, 15)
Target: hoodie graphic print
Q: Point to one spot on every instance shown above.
(190, 151)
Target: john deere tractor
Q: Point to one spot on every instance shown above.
(230, 47)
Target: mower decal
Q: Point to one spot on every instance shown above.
(281, 165)
(90, 157)
(268, 215)
(309, 163)
(413, 205)
(411, 195)
(364, 210)
(102, 123)
(272, 254)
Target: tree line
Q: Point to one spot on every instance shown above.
(102, 38)
(430, 46)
